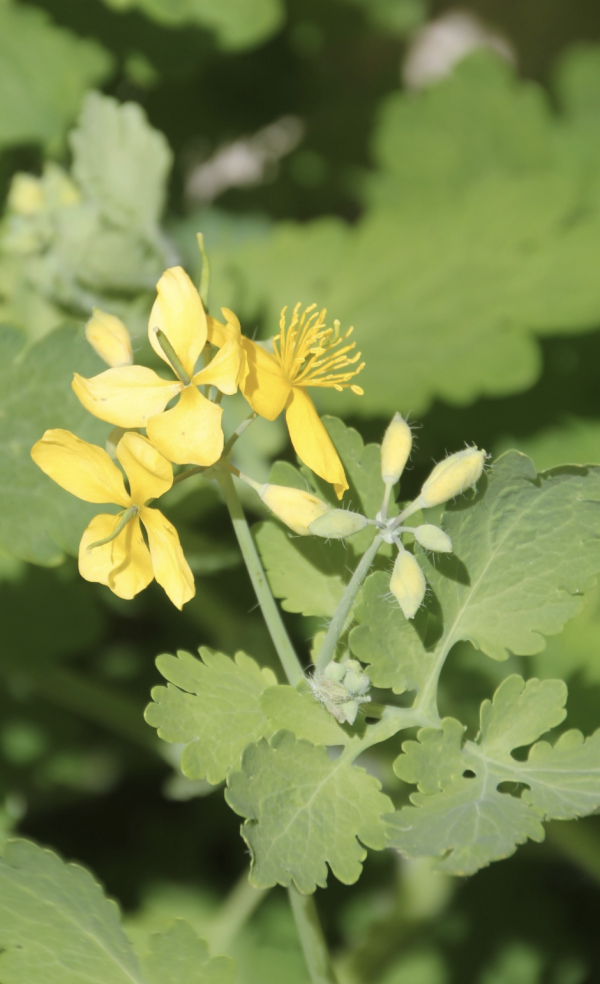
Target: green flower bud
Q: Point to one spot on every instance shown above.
(452, 476)
(395, 449)
(356, 683)
(433, 538)
(338, 524)
(347, 711)
(335, 671)
(408, 583)
(295, 508)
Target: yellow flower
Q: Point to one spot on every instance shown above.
(135, 396)
(109, 338)
(306, 353)
(124, 563)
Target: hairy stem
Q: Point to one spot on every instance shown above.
(336, 626)
(281, 640)
(311, 936)
(236, 910)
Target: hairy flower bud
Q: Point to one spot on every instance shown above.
(395, 449)
(408, 583)
(335, 671)
(295, 508)
(336, 524)
(452, 476)
(433, 538)
(109, 338)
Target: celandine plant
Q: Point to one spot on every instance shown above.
(498, 557)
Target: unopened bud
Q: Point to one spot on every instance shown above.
(356, 684)
(452, 476)
(335, 671)
(408, 583)
(295, 508)
(109, 338)
(347, 712)
(337, 524)
(395, 449)
(433, 538)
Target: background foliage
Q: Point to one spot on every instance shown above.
(457, 226)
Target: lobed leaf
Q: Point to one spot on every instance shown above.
(212, 705)
(459, 814)
(179, 956)
(305, 811)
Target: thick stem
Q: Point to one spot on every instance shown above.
(235, 911)
(311, 938)
(336, 626)
(281, 641)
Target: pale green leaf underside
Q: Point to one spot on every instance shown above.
(237, 23)
(480, 233)
(38, 519)
(44, 72)
(213, 706)
(58, 927)
(305, 811)
(459, 816)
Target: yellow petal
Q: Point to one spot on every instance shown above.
(148, 471)
(312, 442)
(171, 569)
(219, 333)
(190, 433)
(83, 469)
(124, 564)
(223, 371)
(126, 396)
(265, 387)
(109, 338)
(179, 313)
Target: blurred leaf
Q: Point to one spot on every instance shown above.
(576, 441)
(57, 925)
(120, 163)
(396, 16)
(237, 23)
(480, 232)
(213, 705)
(39, 521)
(459, 814)
(179, 956)
(44, 72)
(305, 811)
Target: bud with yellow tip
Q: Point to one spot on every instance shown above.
(337, 524)
(408, 583)
(109, 338)
(395, 449)
(295, 508)
(452, 476)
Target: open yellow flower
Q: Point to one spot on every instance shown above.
(135, 396)
(113, 550)
(306, 353)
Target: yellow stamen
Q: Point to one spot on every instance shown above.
(305, 351)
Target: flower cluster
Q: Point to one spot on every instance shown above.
(182, 418)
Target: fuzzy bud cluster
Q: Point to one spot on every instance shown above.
(342, 688)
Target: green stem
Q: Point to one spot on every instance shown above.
(238, 432)
(204, 287)
(281, 641)
(235, 911)
(311, 937)
(125, 517)
(171, 354)
(336, 626)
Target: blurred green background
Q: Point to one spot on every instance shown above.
(431, 174)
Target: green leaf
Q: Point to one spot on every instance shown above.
(58, 927)
(179, 956)
(524, 554)
(120, 162)
(236, 23)
(574, 442)
(308, 574)
(299, 712)
(39, 521)
(44, 72)
(470, 170)
(213, 705)
(305, 811)
(459, 815)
